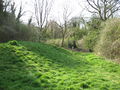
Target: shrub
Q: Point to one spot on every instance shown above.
(90, 40)
(23, 32)
(94, 23)
(109, 44)
(56, 42)
(93, 27)
(14, 42)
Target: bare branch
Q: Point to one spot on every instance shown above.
(92, 5)
(42, 11)
(104, 8)
(20, 13)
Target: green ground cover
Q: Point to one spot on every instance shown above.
(38, 66)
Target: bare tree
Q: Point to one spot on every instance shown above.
(104, 8)
(13, 8)
(42, 11)
(64, 27)
(6, 4)
(30, 21)
(20, 13)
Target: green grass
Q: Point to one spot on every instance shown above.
(38, 66)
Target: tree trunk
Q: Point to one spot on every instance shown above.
(63, 39)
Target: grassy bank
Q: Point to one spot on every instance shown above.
(38, 66)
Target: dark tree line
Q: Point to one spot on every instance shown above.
(11, 27)
(1, 6)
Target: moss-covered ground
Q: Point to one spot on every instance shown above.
(38, 66)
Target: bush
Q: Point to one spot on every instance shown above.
(94, 23)
(90, 40)
(14, 42)
(57, 42)
(109, 44)
(23, 32)
(10, 29)
(93, 30)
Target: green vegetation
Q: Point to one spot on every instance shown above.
(31, 57)
(78, 33)
(90, 40)
(109, 43)
(38, 66)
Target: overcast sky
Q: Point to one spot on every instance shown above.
(76, 6)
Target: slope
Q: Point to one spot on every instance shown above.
(38, 66)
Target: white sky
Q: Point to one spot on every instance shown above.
(76, 7)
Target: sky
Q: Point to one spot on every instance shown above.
(77, 8)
